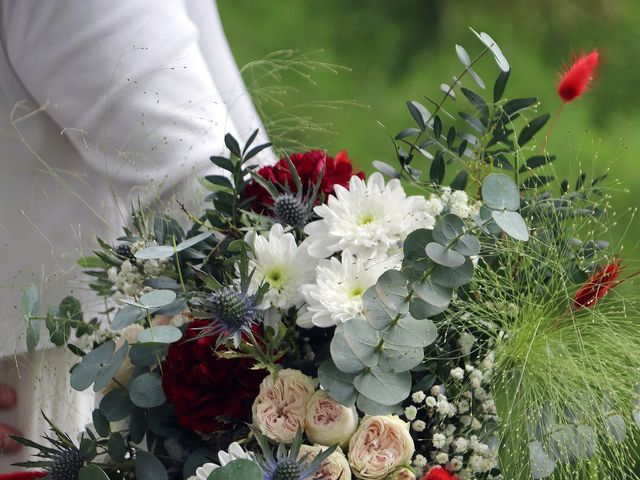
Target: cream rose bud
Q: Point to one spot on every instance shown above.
(327, 422)
(334, 467)
(280, 407)
(380, 445)
(404, 473)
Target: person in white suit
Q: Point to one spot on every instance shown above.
(101, 102)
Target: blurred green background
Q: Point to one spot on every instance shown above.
(404, 49)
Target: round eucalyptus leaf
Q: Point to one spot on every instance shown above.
(147, 354)
(337, 383)
(116, 447)
(148, 467)
(414, 245)
(127, 315)
(542, 465)
(109, 368)
(343, 356)
(158, 298)
(100, 423)
(392, 291)
(363, 340)
(155, 252)
(146, 391)
(92, 472)
(196, 459)
(240, 469)
(387, 388)
(448, 229)
(160, 334)
(453, 277)
(467, 245)
(512, 224)
(116, 405)
(500, 192)
(371, 407)
(409, 332)
(443, 255)
(432, 293)
(394, 358)
(377, 314)
(85, 372)
(636, 416)
(162, 283)
(421, 310)
(30, 302)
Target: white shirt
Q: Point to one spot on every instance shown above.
(135, 95)
(100, 101)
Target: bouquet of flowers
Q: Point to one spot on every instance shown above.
(456, 316)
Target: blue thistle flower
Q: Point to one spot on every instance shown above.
(234, 313)
(284, 464)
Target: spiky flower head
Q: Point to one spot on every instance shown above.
(233, 312)
(291, 209)
(66, 464)
(284, 464)
(124, 250)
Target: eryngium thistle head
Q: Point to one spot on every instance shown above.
(291, 210)
(233, 312)
(124, 250)
(66, 464)
(288, 469)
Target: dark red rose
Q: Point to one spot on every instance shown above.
(202, 386)
(309, 165)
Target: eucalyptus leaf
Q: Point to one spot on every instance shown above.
(468, 245)
(190, 242)
(157, 298)
(160, 334)
(500, 192)
(109, 368)
(533, 127)
(30, 302)
(84, 373)
(617, 428)
(491, 44)
(463, 55)
(146, 391)
(386, 169)
(363, 340)
(148, 467)
(337, 383)
(116, 447)
(377, 314)
(387, 388)
(448, 229)
(240, 469)
(410, 332)
(391, 289)
(147, 354)
(343, 356)
(394, 358)
(127, 315)
(92, 472)
(443, 255)
(512, 224)
(371, 407)
(116, 405)
(419, 113)
(421, 310)
(542, 465)
(155, 252)
(453, 277)
(432, 293)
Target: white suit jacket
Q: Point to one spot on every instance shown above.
(100, 101)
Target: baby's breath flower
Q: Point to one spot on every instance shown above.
(410, 412)
(418, 397)
(419, 426)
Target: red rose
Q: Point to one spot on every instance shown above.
(337, 171)
(202, 386)
(439, 473)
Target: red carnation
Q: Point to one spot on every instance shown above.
(202, 386)
(309, 165)
(577, 77)
(597, 286)
(439, 473)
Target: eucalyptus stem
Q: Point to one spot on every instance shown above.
(175, 249)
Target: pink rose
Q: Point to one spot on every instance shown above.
(327, 422)
(380, 445)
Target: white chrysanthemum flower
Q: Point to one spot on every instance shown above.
(235, 452)
(336, 295)
(370, 219)
(278, 260)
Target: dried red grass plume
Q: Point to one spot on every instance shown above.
(439, 473)
(578, 75)
(597, 285)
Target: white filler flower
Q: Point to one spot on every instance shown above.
(278, 260)
(336, 295)
(369, 219)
